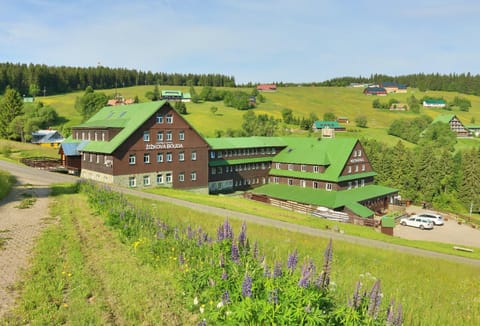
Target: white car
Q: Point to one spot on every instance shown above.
(418, 222)
(435, 218)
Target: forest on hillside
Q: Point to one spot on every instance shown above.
(462, 83)
(39, 79)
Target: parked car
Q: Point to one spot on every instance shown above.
(418, 222)
(437, 219)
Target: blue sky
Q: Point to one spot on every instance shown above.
(252, 40)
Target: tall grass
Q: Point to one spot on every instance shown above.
(6, 183)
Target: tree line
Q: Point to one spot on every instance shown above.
(40, 79)
(462, 83)
(429, 173)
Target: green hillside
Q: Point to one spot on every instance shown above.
(342, 101)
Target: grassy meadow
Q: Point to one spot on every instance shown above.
(342, 101)
(82, 273)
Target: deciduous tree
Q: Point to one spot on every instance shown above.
(11, 106)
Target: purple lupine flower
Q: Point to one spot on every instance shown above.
(266, 271)
(189, 232)
(242, 237)
(160, 235)
(255, 250)
(375, 299)
(247, 286)
(202, 322)
(356, 298)
(399, 318)
(305, 278)
(220, 236)
(277, 271)
(181, 259)
(292, 261)
(273, 296)
(323, 279)
(235, 255)
(390, 313)
(226, 297)
(224, 275)
(227, 230)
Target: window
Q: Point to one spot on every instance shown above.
(359, 152)
(159, 118)
(277, 165)
(193, 176)
(103, 136)
(181, 177)
(146, 180)
(159, 157)
(213, 171)
(169, 157)
(169, 135)
(219, 170)
(83, 135)
(91, 157)
(349, 169)
(146, 158)
(304, 168)
(181, 156)
(363, 167)
(219, 154)
(362, 183)
(146, 136)
(274, 151)
(132, 182)
(181, 135)
(303, 183)
(98, 158)
(212, 154)
(96, 136)
(316, 169)
(159, 178)
(290, 182)
(160, 136)
(84, 156)
(169, 178)
(131, 159)
(349, 184)
(328, 187)
(169, 119)
(315, 185)
(194, 155)
(290, 167)
(356, 168)
(356, 183)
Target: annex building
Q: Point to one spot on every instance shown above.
(150, 144)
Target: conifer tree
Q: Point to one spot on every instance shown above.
(11, 106)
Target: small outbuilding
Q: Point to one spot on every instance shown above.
(387, 224)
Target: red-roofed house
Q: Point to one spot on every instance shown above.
(267, 87)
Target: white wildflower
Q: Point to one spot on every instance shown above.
(220, 304)
(195, 301)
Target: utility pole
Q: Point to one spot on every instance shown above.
(471, 208)
(44, 90)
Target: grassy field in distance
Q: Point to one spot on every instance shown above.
(342, 101)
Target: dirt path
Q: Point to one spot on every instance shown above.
(20, 228)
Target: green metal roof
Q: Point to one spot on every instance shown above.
(360, 210)
(239, 161)
(244, 142)
(472, 126)
(445, 118)
(354, 176)
(388, 221)
(433, 101)
(330, 124)
(330, 152)
(331, 199)
(320, 176)
(127, 117)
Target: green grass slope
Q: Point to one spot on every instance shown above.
(342, 101)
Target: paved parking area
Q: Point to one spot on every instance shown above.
(452, 232)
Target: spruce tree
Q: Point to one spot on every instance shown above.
(11, 106)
